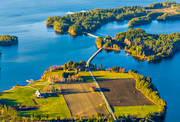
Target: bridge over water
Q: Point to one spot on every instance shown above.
(92, 57)
(102, 94)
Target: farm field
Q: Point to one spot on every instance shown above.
(122, 92)
(110, 75)
(122, 95)
(82, 102)
(138, 111)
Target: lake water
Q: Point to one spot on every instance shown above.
(40, 47)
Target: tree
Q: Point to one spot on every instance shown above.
(115, 69)
(95, 66)
(75, 29)
(100, 66)
(99, 42)
(122, 70)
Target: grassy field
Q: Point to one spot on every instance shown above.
(52, 106)
(110, 75)
(138, 111)
(86, 77)
(18, 96)
(54, 73)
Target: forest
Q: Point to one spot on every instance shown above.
(149, 46)
(89, 21)
(139, 21)
(142, 45)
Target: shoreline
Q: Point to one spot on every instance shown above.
(160, 116)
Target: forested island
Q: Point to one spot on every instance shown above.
(8, 40)
(56, 96)
(83, 22)
(142, 45)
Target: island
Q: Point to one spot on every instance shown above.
(74, 92)
(8, 40)
(84, 22)
(142, 45)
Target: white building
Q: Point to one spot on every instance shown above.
(38, 94)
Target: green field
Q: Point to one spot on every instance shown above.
(110, 75)
(54, 73)
(52, 106)
(86, 77)
(138, 111)
(18, 96)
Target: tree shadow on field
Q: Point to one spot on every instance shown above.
(73, 91)
(87, 79)
(105, 89)
(8, 102)
(112, 108)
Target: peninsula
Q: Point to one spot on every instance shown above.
(74, 92)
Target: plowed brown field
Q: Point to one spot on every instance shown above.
(122, 92)
(82, 102)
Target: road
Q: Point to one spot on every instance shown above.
(102, 94)
(89, 34)
(90, 59)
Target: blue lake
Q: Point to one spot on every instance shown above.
(40, 47)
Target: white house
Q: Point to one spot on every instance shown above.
(38, 94)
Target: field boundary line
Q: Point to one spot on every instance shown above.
(67, 105)
(102, 94)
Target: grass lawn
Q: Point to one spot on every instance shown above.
(18, 96)
(138, 111)
(55, 73)
(52, 106)
(40, 82)
(110, 75)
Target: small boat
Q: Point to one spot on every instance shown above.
(127, 54)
